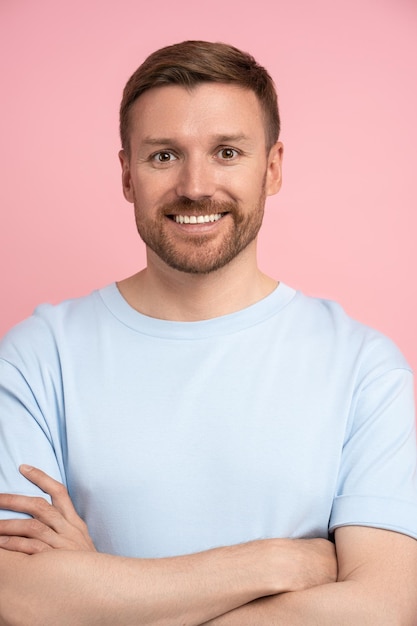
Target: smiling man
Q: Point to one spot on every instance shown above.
(198, 167)
(206, 445)
(194, 187)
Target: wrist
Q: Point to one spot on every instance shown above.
(265, 565)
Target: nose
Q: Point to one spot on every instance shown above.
(195, 180)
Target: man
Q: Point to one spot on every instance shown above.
(214, 428)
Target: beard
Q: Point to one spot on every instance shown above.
(206, 252)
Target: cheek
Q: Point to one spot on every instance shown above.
(240, 183)
(155, 187)
(250, 186)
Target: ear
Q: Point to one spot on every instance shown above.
(274, 169)
(126, 177)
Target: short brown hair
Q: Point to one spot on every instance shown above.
(192, 62)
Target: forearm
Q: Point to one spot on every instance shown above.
(91, 588)
(50, 572)
(344, 604)
(377, 578)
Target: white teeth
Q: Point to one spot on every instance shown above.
(197, 219)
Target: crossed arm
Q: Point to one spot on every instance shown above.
(50, 573)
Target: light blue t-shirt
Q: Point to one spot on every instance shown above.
(285, 419)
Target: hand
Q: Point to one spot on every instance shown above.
(310, 562)
(55, 526)
(295, 564)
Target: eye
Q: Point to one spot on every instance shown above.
(163, 157)
(227, 154)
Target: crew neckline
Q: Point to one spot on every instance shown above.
(222, 325)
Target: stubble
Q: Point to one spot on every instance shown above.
(206, 252)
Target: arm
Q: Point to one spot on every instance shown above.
(68, 587)
(376, 581)
(376, 585)
(87, 588)
(50, 573)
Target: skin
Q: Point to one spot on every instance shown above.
(50, 572)
(293, 582)
(213, 148)
(193, 152)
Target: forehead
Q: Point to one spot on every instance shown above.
(208, 108)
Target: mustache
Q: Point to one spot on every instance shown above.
(205, 206)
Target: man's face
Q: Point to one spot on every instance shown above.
(199, 173)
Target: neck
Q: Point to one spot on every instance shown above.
(164, 293)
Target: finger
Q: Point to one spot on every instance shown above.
(65, 535)
(70, 539)
(30, 529)
(23, 545)
(37, 508)
(55, 489)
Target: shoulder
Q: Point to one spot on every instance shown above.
(37, 337)
(328, 325)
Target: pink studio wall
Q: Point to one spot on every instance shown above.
(344, 224)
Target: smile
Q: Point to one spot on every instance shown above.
(197, 219)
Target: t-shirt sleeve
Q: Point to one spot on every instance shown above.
(30, 406)
(377, 482)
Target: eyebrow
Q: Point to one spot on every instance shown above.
(156, 141)
(231, 138)
(161, 141)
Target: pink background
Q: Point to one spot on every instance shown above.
(343, 226)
